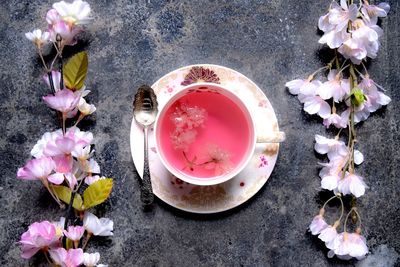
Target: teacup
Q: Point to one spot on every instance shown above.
(205, 134)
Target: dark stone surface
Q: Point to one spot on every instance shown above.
(135, 42)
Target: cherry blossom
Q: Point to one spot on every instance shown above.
(348, 245)
(318, 224)
(96, 226)
(64, 100)
(316, 105)
(334, 24)
(74, 233)
(80, 137)
(329, 234)
(52, 17)
(183, 139)
(372, 12)
(85, 108)
(40, 235)
(38, 37)
(328, 146)
(336, 87)
(59, 226)
(74, 13)
(36, 169)
(303, 88)
(91, 259)
(352, 184)
(220, 160)
(335, 120)
(67, 258)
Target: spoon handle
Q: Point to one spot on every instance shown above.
(146, 193)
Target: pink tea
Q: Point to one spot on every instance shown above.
(204, 134)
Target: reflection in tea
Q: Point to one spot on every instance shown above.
(204, 134)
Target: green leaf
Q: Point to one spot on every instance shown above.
(357, 97)
(64, 193)
(75, 71)
(97, 193)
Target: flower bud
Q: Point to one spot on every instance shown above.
(357, 97)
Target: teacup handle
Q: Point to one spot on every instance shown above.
(271, 137)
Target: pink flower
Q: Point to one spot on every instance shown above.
(74, 13)
(36, 169)
(336, 87)
(64, 163)
(85, 108)
(48, 137)
(341, 15)
(64, 100)
(328, 146)
(219, 160)
(348, 245)
(334, 24)
(316, 105)
(352, 184)
(64, 258)
(40, 235)
(354, 50)
(62, 145)
(81, 138)
(52, 17)
(91, 259)
(328, 235)
(372, 12)
(74, 233)
(96, 226)
(318, 224)
(303, 87)
(375, 98)
(335, 120)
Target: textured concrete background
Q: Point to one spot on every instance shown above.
(135, 42)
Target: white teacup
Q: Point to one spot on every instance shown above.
(205, 134)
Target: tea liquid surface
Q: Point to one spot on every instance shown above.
(204, 134)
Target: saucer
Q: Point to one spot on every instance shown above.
(221, 197)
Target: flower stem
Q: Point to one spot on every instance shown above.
(51, 82)
(48, 259)
(88, 236)
(353, 209)
(335, 196)
(64, 118)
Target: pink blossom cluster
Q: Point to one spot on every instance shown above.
(344, 245)
(64, 20)
(332, 174)
(346, 97)
(315, 95)
(361, 39)
(46, 236)
(60, 158)
(186, 119)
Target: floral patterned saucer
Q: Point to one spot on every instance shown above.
(225, 196)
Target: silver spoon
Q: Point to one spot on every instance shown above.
(145, 112)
